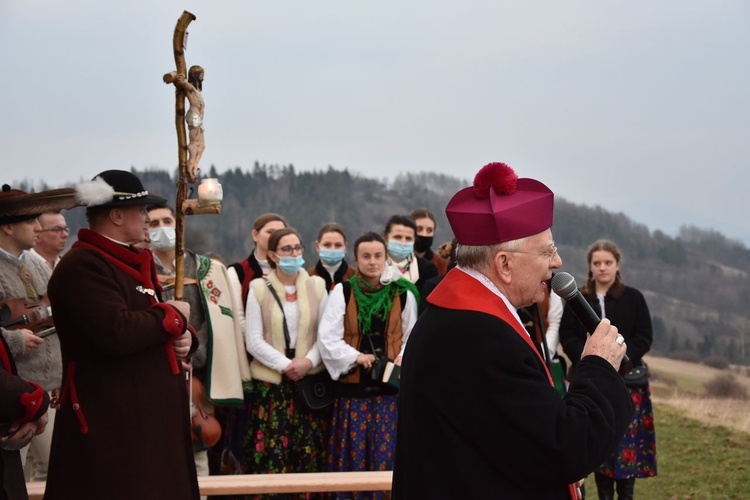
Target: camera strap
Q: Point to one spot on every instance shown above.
(372, 345)
(287, 340)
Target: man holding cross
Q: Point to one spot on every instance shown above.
(123, 423)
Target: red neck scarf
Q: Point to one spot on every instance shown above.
(137, 263)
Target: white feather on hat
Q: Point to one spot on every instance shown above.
(94, 192)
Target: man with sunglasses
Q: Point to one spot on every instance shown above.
(51, 238)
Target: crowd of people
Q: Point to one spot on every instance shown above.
(288, 365)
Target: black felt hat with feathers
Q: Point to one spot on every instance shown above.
(113, 188)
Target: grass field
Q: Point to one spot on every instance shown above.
(703, 444)
(695, 461)
(681, 385)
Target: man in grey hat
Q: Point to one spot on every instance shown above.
(123, 423)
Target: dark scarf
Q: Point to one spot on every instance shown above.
(338, 276)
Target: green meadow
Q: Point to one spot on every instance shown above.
(702, 442)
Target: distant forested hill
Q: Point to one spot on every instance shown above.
(696, 284)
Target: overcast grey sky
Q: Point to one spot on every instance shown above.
(640, 107)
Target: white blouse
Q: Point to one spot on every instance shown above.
(338, 356)
(264, 352)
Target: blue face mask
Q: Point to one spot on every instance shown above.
(331, 257)
(400, 251)
(290, 265)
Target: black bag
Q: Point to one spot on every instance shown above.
(313, 392)
(378, 368)
(637, 376)
(381, 361)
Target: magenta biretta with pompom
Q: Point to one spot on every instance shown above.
(499, 207)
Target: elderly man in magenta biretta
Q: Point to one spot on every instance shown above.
(479, 416)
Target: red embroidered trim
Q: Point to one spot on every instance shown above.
(174, 325)
(173, 322)
(145, 274)
(572, 490)
(122, 257)
(172, 359)
(69, 386)
(459, 291)
(5, 358)
(32, 401)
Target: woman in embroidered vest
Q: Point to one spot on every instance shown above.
(331, 249)
(364, 314)
(626, 308)
(400, 234)
(282, 436)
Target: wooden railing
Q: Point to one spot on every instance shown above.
(251, 484)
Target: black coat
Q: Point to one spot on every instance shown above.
(427, 271)
(478, 417)
(626, 309)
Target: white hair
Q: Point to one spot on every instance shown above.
(480, 256)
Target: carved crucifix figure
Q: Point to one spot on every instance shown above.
(192, 88)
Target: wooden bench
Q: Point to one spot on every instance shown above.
(277, 483)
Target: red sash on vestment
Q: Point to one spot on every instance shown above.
(461, 292)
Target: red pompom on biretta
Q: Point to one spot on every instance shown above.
(498, 176)
(499, 207)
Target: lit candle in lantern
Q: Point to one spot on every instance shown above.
(210, 192)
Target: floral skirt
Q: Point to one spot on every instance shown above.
(635, 456)
(362, 437)
(282, 437)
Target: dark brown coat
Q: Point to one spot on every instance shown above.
(130, 437)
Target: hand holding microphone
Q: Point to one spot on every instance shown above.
(604, 341)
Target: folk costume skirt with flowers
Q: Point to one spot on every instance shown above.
(362, 437)
(635, 456)
(281, 436)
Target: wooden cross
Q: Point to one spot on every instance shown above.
(187, 85)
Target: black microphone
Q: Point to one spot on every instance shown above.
(564, 285)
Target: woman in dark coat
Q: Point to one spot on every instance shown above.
(627, 310)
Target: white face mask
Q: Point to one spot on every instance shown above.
(162, 238)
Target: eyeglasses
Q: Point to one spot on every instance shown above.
(56, 229)
(550, 253)
(289, 249)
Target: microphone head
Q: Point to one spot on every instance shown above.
(564, 285)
